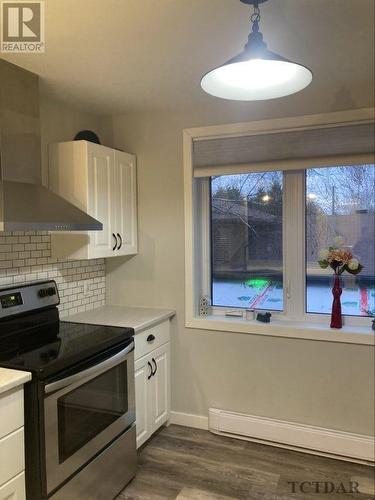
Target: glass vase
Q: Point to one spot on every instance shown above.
(336, 317)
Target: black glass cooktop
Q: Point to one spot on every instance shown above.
(42, 344)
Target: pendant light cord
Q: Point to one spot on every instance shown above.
(255, 17)
(255, 41)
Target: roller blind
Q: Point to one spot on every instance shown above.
(285, 150)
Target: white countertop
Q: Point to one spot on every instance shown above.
(12, 378)
(138, 318)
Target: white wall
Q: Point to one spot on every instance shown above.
(59, 122)
(319, 383)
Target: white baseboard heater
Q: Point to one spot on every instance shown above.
(306, 438)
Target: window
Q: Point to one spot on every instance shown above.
(247, 240)
(340, 203)
(247, 224)
(262, 200)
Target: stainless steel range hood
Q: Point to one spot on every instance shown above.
(26, 205)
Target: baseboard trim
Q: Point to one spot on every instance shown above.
(298, 437)
(307, 438)
(188, 420)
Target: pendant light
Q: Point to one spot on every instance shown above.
(257, 73)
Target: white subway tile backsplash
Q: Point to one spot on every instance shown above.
(26, 256)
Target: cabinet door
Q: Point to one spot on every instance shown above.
(14, 489)
(126, 203)
(142, 399)
(160, 387)
(101, 202)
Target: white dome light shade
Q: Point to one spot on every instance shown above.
(256, 79)
(256, 73)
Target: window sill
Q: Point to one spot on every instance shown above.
(285, 328)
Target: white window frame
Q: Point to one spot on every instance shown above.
(293, 322)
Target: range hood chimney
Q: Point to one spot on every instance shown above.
(26, 205)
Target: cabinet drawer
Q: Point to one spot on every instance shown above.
(12, 459)
(11, 411)
(144, 346)
(14, 489)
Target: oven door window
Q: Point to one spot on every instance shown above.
(86, 411)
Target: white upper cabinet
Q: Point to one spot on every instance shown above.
(125, 203)
(100, 198)
(102, 182)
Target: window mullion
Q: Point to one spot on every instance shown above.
(294, 244)
(205, 230)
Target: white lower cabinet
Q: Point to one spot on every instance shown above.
(152, 381)
(142, 399)
(14, 489)
(12, 455)
(160, 407)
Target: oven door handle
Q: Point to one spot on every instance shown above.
(96, 369)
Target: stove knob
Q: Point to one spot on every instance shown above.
(47, 292)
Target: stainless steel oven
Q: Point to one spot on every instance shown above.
(80, 439)
(85, 411)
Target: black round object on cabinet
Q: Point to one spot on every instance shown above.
(87, 135)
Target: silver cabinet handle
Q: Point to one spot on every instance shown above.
(115, 237)
(93, 370)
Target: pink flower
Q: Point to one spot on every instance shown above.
(340, 255)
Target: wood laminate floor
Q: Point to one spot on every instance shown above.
(189, 464)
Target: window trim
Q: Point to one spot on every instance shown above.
(290, 323)
(289, 329)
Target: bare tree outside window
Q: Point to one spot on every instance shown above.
(340, 201)
(246, 222)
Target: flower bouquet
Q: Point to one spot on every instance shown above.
(340, 259)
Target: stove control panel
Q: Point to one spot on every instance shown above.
(27, 298)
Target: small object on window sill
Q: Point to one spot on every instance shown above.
(204, 306)
(264, 317)
(373, 324)
(234, 312)
(249, 314)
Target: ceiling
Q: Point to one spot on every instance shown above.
(118, 56)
